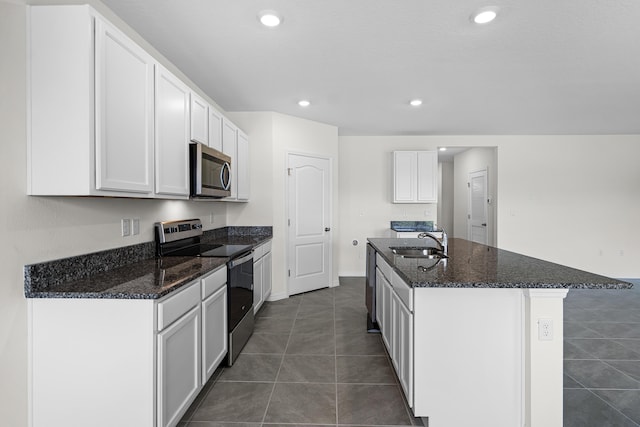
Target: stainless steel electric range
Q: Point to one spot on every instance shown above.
(182, 238)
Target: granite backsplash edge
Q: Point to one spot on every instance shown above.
(47, 275)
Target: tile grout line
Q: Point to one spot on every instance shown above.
(284, 352)
(335, 354)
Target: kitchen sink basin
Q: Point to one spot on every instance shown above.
(429, 253)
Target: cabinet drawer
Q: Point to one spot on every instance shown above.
(383, 266)
(262, 250)
(258, 252)
(174, 306)
(403, 290)
(214, 281)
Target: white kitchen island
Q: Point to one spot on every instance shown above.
(476, 339)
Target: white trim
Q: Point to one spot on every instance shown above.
(545, 293)
(277, 296)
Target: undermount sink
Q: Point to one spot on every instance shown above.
(426, 252)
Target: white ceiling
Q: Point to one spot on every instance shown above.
(542, 67)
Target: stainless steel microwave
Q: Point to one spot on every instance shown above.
(210, 172)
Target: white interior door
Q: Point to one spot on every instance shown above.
(309, 197)
(477, 217)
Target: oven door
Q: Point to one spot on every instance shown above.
(240, 288)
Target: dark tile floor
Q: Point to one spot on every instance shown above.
(602, 358)
(309, 361)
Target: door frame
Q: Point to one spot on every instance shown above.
(485, 205)
(288, 255)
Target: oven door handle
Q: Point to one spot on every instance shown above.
(240, 260)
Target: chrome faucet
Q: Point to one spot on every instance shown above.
(441, 244)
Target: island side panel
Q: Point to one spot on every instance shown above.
(92, 362)
(469, 356)
(544, 358)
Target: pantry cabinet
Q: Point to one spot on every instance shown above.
(172, 135)
(415, 177)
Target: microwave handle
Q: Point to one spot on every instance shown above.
(225, 185)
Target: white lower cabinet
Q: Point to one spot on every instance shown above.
(387, 319)
(261, 275)
(179, 366)
(395, 318)
(403, 346)
(124, 362)
(214, 322)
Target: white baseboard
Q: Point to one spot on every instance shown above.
(277, 296)
(352, 274)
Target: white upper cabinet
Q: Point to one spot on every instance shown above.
(172, 135)
(199, 120)
(106, 119)
(91, 107)
(215, 129)
(242, 166)
(124, 112)
(230, 147)
(415, 177)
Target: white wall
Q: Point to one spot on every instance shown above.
(366, 194)
(272, 136)
(568, 199)
(446, 197)
(473, 160)
(36, 229)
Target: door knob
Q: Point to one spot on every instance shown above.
(327, 229)
(484, 224)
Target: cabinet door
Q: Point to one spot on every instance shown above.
(214, 332)
(427, 176)
(179, 367)
(242, 166)
(124, 113)
(199, 120)
(379, 300)
(258, 274)
(230, 147)
(266, 277)
(395, 332)
(404, 176)
(405, 351)
(387, 322)
(172, 135)
(215, 129)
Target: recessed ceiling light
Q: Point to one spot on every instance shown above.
(484, 15)
(415, 102)
(443, 148)
(270, 18)
(304, 103)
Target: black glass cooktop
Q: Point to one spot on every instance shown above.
(210, 250)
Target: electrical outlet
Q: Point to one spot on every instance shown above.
(135, 226)
(545, 329)
(126, 227)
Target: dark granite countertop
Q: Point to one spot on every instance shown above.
(472, 265)
(131, 272)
